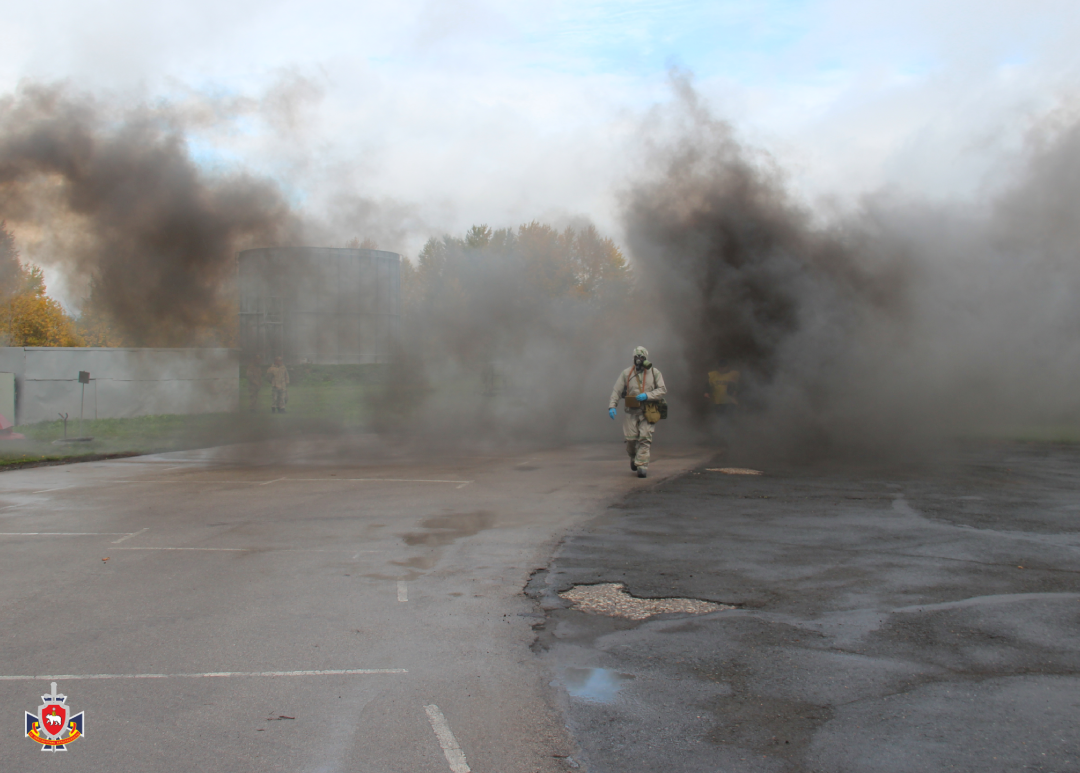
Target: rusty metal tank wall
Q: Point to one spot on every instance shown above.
(319, 305)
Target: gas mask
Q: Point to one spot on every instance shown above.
(640, 363)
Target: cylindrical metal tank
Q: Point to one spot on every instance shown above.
(319, 304)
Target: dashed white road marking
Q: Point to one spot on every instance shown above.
(402, 591)
(209, 675)
(47, 490)
(449, 744)
(268, 482)
(129, 536)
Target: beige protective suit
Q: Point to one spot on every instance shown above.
(637, 430)
(279, 385)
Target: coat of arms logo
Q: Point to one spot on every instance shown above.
(54, 726)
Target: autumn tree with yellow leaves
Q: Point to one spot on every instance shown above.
(29, 317)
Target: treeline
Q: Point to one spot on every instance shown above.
(523, 309)
(488, 293)
(546, 261)
(474, 297)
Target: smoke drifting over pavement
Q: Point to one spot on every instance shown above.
(513, 336)
(901, 321)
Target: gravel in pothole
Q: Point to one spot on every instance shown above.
(610, 599)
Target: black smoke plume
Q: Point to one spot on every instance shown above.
(114, 199)
(899, 321)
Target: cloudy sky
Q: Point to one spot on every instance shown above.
(453, 113)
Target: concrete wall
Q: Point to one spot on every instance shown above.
(124, 382)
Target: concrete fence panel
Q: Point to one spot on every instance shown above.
(123, 382)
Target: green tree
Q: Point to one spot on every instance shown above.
(492, 291)
(598, 264)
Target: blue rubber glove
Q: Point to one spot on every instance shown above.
(642, 397)
(611, 412)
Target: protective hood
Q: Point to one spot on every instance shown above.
(642, 351)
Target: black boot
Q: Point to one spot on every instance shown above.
(641, 472)
(632, 465)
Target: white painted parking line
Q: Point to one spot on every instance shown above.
(188, 481)
(61, 533)
(209, 675)
(257, 550)
(129, 536)
(402, 591)
(222, 550)
(375, 480)
(449, 744)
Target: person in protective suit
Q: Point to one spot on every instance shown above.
(278, 376)
(722, 387)
(639, 385)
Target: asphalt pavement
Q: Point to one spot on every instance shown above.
(319, 605)
(346, 605)
(894, 618)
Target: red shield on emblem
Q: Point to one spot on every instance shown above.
(53, 719)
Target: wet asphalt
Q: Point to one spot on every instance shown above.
(917, 617)
(300, 607)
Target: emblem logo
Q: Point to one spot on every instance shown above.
(53, 726)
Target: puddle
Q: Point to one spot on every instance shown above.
(594, 684)
(419, 562)
(610, 599)
(444, 529)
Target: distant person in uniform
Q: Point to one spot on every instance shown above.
(254, 374)
(638, 385)
(722, 388)
(279, 385)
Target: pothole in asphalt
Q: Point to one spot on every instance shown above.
(610, 599)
